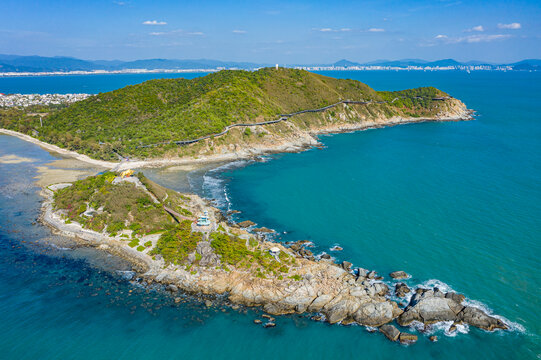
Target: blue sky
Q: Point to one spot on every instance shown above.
(286, 32)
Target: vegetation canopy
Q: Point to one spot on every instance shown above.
(119, 122)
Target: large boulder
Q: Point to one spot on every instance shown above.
(406, 338)
(340, 308)
(429, 309)
(399, 275)
(401, 290)
(390, 332)
(320, 302)
(459, 298)
(430, 306)
(478, 318)
(376, 313)
(278, 308)
(246, 223)
(362, 274)
(381, 289)
(346, 265)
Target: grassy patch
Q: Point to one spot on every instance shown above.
(177, 243)
(233, 251)
(121, 204)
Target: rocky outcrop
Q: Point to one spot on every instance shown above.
(391, 332)
(478, 318)
(208, 257)
(263, 230)
(246, 223)
(377, 313)
(401, 290)
(406, 338)
(431, 306)
(338, 294)
(399, 275)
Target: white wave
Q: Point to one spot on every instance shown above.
(435, 283)
(442, 327)
(215, 187)
(513, 326)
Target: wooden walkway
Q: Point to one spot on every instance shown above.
(282, 117)
(176, 215)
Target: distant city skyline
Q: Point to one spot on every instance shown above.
(274, 31)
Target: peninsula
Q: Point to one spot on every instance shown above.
(180, 240)
(157, 230)
(222, 116)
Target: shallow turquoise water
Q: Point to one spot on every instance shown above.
(457, 202)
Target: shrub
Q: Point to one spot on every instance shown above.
(177, 243)
(231, 249)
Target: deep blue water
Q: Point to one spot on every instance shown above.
(456, 204)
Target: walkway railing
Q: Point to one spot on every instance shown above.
(282, 117)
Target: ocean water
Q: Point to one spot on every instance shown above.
(455, 204)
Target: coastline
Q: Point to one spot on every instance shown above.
(303, 140)
(336, 293)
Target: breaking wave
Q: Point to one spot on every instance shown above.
(215, 185)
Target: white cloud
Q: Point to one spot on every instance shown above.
(513, 26)
(239, 31)
(470, 39)
(154, 22)
(178, 32)
(333, 30)
(479, 38)
(477, 28)
(376, 30)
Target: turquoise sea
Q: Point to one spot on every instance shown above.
(455, 204)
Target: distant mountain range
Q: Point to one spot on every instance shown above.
(15, 63)
(529, 64)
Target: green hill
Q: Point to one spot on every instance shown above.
(179, 109)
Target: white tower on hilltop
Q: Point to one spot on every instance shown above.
(276, 66)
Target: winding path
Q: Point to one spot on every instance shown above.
(282, 117)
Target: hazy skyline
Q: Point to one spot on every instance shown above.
(274, 31)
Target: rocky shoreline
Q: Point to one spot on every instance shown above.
(335, 293)
(295, 140)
